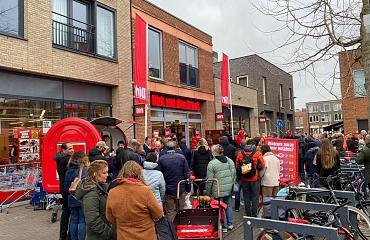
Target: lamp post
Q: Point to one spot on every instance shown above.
(279, 114)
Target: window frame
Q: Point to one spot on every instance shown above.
(354, 83)
(20, 22)
(264, 90)
(160, 50)
(290, 99)
(281, 96)
(196, 58)
(94, 12)
(242, 76)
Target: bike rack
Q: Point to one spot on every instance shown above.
(350, 196)
(290, 204)
(307, 230)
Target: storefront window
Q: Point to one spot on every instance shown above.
(98, 111)
(193, 127)
(18, 114)
(77, 110)
(158, 126)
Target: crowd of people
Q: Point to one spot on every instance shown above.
(121, 194)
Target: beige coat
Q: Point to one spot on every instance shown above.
(134, 209)
(272, 170)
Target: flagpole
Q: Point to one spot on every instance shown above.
(147, 89)
(231, 101)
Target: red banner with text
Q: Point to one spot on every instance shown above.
(140, 62)
(287, 151)
(225, 81)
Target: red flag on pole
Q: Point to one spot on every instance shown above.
(140, 62)
(225, 80)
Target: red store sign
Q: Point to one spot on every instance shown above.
(262, 119)
(174, 102)
(220, 116)
(140, 110)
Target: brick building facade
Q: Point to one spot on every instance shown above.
(301, 121)
(180, 69)
(63, 59)
(273, 85)
(354, 97)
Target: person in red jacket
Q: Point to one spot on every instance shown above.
(248, 164)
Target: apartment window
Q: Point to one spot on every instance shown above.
(337, 107)
(300, 120)
(11, 17)
(155, 53)
(311, 119)
(337, 117)
(264, 90)
(325, 118)
(290, 99)
(325, 108)
(281, 95)
(73, 28)
(359, 83)
(189, 72)
(105, 32)
(242, 80)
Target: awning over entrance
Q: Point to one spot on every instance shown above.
(334, 126)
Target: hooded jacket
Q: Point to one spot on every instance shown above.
(155, 180)
(93, 198)
(257, 156)
(223, 169)
(363, 157)
(200, 160)
(272, 170)
(72, 173)
(229, 150)
(309, 157)
(134, 209)
(95, 154)
(62, 162)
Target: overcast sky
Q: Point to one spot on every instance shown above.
(238, 29)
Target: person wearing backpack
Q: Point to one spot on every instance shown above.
(249, 163)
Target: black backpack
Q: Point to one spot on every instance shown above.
(247, 168)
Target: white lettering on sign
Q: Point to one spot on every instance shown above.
(25, 134)
(139, 110)
(225, 99)
(140, 92)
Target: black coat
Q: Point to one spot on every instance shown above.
(62, 162)
(229, 150)
(123, 156)
(95, 154)
(199, 162)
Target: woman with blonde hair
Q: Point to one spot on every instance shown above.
(132, 205)
(77, 170)
(200, 159)
(327, 160)
(92, 193)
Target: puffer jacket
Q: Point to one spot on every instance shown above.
(200, 160)
(155, 180)
(72, 173)
(223, 169)
(93, 198)
(229, 149)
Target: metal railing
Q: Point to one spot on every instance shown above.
(73, 34)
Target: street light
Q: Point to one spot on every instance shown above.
(280, 103)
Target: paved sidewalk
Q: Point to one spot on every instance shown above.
(24, 223)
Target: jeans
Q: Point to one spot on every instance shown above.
(228, 211)
(64, 219)
(78, 225)
(251, 196)
(239, 195)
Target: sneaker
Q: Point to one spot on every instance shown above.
(230, 227)
(242, 203)
(224, 230)
(236, 210)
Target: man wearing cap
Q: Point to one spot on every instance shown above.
(99, 152)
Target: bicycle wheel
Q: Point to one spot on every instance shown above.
(365, 207)
(364, 189)
(268, 234)
(362, 222)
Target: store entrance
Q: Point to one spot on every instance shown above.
(177, 128)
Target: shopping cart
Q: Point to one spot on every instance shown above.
(18, 181)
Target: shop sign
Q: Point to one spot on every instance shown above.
(220, 116)
(287, 151)
(139, 110)
(174, 102)
(262, 119)
(46, 125)
(155, 134)
(168, 132)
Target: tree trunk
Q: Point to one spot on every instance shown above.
(365, 48)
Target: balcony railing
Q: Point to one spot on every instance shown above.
(73, 34)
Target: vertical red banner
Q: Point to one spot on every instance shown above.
(140, 61)
(225, 80)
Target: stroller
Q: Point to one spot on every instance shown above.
(204, 219)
